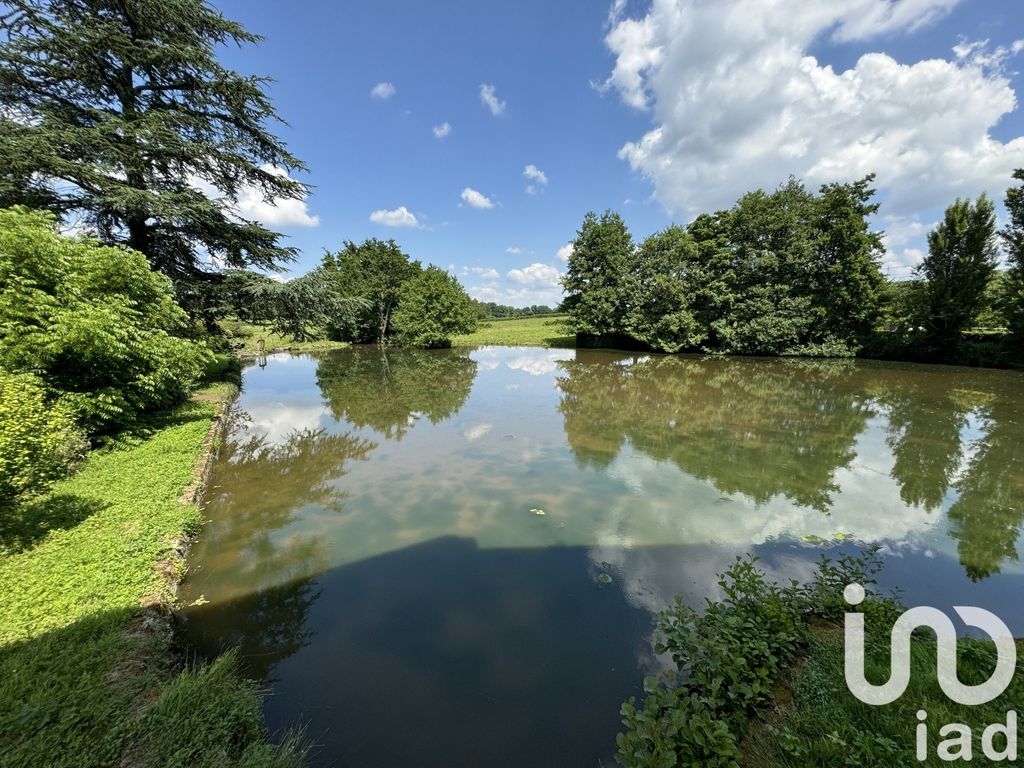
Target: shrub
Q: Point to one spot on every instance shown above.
(433, 307)
(728, 660)
(38, 442)
(93, 322)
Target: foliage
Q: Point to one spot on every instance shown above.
(373, 273)
(1013, 240)
(92, 321)
(728, 660)
(124, 113)
(38, 442)
(662, 305)
(432, 308)
(789, 272)
(962, 257)
(520, 332)
(305, 306)
(249, 296)
(87, 677)
(594, 290)
(493, 309)
(828, 726)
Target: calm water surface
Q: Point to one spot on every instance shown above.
(373, 549)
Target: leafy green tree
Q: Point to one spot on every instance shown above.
(374, 273)
(770, 308)
(119, 110)
(847, 282)
(38, 440)
(433, 307)
(1013, 240)
(595, 294)
(304, 307)
(962, 257)
(92, 321)
(249, 296)
(661, 291)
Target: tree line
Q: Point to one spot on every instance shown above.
(491, 309)
(794, 272)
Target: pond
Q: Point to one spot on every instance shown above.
(453, 557)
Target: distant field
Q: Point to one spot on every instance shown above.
(244, 339)
(547, 331)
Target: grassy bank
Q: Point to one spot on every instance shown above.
(88, 672)
(245, 340)
(546, 331)
(759, 681)
(817, 721)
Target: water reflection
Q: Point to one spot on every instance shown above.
(389, 390)
(259, 488)
(757, 430)
(374, 546)
(805, 430)
(989, 509)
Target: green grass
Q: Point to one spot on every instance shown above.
(88, 677)
(821, 723)
(244, 339)
(547, 331)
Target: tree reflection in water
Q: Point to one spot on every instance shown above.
(765, 429)
(387, 390)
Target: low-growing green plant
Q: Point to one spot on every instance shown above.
(728, 661)
(38, 441)
(87, 676)
(95, 323)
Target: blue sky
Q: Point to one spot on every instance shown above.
(724, 92)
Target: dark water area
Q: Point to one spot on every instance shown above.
(375, 547)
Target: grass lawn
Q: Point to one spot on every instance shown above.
(244, 339)
(818, 722)
(88, 676)
(548, 331)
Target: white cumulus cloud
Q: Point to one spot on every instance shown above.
(382, 91)
(737, 102)
(563, 253)
(537, 176)
(250, 205)
(399, 217)
(536, 275)
(485, 273)
(442, 130)
(476, 199)
(490, 99)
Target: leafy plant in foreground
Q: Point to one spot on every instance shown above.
(93, 322)
(728, 660)
(38, 442)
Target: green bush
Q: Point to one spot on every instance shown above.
(38, 442)
(93, 322)
(432, 308)
(728, 660)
